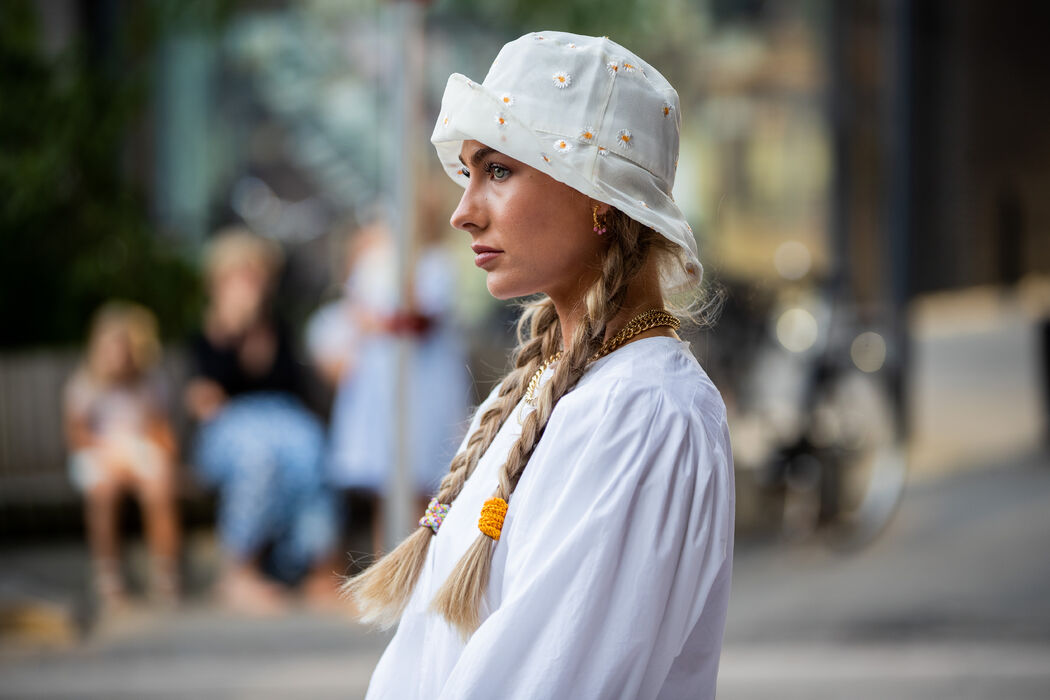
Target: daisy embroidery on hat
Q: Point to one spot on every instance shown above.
(624, 138)
(501, 121)
(506, 99)
(587, 135)
(613, 67)
(562, 80)
(562, 145)
(629, 67)
(603, 151)
(546, 158)
(667, 109)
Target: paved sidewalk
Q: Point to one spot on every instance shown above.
(951, 602)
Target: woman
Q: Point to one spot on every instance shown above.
(600, 467)
(121, 441)
(258, 443)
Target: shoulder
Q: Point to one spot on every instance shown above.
(649, 412)
(653, 378)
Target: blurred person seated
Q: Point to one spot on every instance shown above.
(120, 442)
(258, 444)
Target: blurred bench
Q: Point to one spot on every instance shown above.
(33, 456)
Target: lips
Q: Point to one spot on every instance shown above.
(484, 254)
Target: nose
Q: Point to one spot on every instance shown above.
(470, 214)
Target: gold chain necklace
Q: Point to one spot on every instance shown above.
(653, 318)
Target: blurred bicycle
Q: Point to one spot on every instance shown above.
(808, 380)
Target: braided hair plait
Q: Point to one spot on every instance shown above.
(459, 599)
(382, 591)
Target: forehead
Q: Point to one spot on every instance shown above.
(473, 152)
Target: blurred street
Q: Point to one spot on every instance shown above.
(950, 602)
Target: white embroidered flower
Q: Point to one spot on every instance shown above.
(613, 67)
(629, 67)
(501, 121)
(603, 151)
(562, 79)
(586, 135)
(537, 37)
(546, 158)
(506, 99)
(667, 109)
(562, 145)
(572, 45)
(444, 120)
(642, 202)
(624, 138)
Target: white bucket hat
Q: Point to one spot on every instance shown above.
(590, 114)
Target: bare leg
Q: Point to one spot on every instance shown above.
(100, 514)
(321, 585)
(243, 588)
(157, 498)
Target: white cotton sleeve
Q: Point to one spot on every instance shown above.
(617, 537)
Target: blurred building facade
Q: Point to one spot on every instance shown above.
(902, 144)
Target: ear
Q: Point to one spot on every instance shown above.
(603, 208)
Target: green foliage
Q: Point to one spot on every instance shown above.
(74, 231)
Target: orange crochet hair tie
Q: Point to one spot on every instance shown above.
(492, 513)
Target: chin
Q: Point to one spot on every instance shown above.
(504, 289)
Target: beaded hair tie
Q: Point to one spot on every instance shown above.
(491, 521)
(434, 516)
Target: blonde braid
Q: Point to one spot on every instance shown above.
(459, 599)
(382, 591)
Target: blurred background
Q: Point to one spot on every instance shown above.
(231, 207)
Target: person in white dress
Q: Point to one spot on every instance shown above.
(362, 439)
(581, 544)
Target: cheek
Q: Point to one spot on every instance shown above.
(548, 221)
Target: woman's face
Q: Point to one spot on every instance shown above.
(529, 232)
(111, 356)
(237, 295)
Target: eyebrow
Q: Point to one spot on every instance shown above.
(479, 155)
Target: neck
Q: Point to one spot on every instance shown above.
(643, 293)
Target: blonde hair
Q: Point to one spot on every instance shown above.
(139, 326)
(237, 246)
(382, 591)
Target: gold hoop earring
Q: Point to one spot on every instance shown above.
(599, 226)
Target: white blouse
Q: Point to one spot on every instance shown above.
(611, 576)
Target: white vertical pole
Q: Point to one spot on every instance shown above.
(407, 41)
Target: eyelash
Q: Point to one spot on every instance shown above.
(490, 168)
